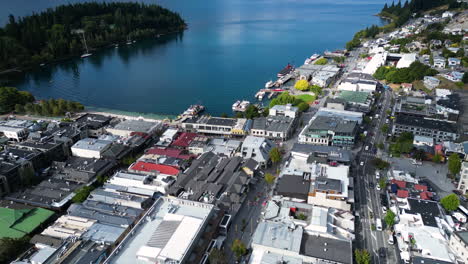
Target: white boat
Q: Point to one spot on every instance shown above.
(312, 58)
(269, 84)
(235, 105)
(86, 55)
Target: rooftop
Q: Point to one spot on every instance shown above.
(136, 125)
(330, 249)
(92, 144)
(278, 235)
(426, 123)
(354, 97)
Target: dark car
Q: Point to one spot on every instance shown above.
(457, 192)
(371, 184)
(382, 252)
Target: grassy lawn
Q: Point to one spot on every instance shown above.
(308, 98)
(419, 85)
(446, 84)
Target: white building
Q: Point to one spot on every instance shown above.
(15, 129)
(167, 233)
(459, 244)
(439, 62)
(284, 110)
(257, 148)
(406, 60)
(67, 226)
(463, 183)
(344, 114)
(423, 141)
(376, 61)
(127, 127)
(90, 148)
(160, 183)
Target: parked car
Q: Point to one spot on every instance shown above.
(382, 252)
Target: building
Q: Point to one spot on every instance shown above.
(355, 101)
(463, 182)
(16, 129)
(90, 148)
(322, 154)
(459, 244)
(170, 231)
(217, 125)
(154, 169)
(274, 242)
(325, 75)
(67, 226)
(437, 129)
(258, 149)
(406, 60)
(126, 127)
(329, 131)
(273, 127)
(94, 123)
(284, 110)
(439, 62)
(214, 179)
(431, 82)
(344, 114)
(423, 141)
(152, 183)
(453, 62)
(17, 223)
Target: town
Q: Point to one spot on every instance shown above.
(360, 157)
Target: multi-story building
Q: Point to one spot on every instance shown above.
(325, 130)
(437, 129)
(284, 110)
(463, 183)
(217, 125)
(459, 244)
(273, 127)
(257, 148)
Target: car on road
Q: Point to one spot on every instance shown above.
(362, 163)
(377, 175)
(371, 185)
(367, 148)
(378, 187)
(391, 239)
(384, 209)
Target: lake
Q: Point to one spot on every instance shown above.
(231, 48)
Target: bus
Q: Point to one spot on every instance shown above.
(378, 224)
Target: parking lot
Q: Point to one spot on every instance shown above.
(436, 174)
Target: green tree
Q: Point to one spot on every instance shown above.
(303, 106)
(382, 183)
(362, 256)
(317, 90)
(251, 112)
(380, 145)
(465, 77)
(275, 155)
(437, 158)
(454, 163)
(367, 120)
(224, 115)
(10, 248)
(385, 128)
(82, 193)
(380, 164)
(321, 61)
(19, 109)
(450, 202)
(217, 257)
(269, 178)
(302, 85)
(238, 248)
(302, 216)
(390, 218)
(266, 111)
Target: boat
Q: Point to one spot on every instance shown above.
(286, 70)
(312, 58)
(240, 106)
(116, 46)
(129, 41)
(193, 110)
(260, 95)
(87, 54)
(269, 84)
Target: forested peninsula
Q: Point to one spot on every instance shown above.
(61, 32)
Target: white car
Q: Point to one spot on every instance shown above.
(362, 163)
(384, 209)
(367, 148)
(378, 187)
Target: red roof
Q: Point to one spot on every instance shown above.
(152, 167)
(401, 184)
(169, 152)
(425, 195)
(420, 187)
(402, 194)
(141, 134)
(184, 139)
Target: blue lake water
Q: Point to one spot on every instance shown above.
(231, 48)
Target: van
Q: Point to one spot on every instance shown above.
(378, 224)
(391, 240)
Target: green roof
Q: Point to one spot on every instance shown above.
(355, 97)
(18, 223)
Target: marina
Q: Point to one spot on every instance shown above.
(240, 106)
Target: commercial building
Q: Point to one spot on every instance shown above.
(90, 148)
(16, 129)
(217, 125)
(326, 131)
(127, 127)
(258, 149)
(459, 244)
(214, 179)
(321, 154)
(284, 110)
(273, 127)
(353, 101)
(94, 123)
(170, 231)
(160, 183)
(344, 114)
(463, 182)
(154, 169)
(437, 129)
